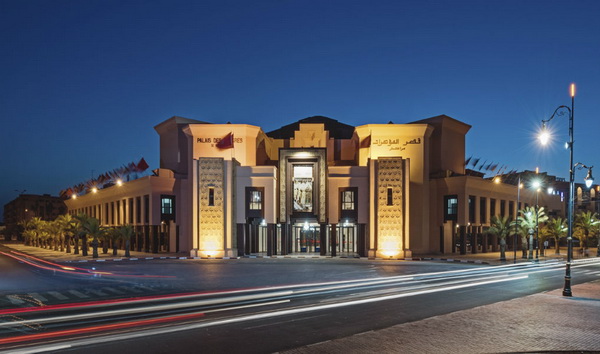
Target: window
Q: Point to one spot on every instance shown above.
(348, 200)
(503, 208)
(450, 207)
(255, 200)
(511, 208)
(482, 210)
(302, 181)
(492, 207)
(472, 200)
(211, 196)
(138, 210)
(146, 209)
(390, 196)
(166, 205)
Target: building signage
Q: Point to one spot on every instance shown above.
(214, 141)
(394, 144)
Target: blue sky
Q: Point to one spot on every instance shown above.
(84, 82)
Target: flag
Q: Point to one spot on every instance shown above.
(366, 142)
(142, 165)
(226, 142)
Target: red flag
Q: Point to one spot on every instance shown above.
(226, 142)
(142, 165)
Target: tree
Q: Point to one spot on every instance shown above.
(91, 227)
(556, 228)
(586, 225)
(126, 233)
(529, 220)
(113, 234)
(68, 229)
(500, 227)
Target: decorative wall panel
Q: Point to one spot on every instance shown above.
(211, 175)
(390, 219)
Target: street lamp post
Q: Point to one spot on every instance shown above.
(517, 220)
(544, 138)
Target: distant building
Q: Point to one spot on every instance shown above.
(27, 206)
(316, 186)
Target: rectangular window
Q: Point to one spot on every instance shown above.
(348, 200)
(503, 208)
(492, 207)
(482, 210)
(118, 212)
(167, 206)
(472, 200)
(390, 196)
(255, 200)
(302, 180)
(138, 210)
(131, 211)
(511, 208)
(211, 196)
(106, 214)
(146, 209)
(450, 207)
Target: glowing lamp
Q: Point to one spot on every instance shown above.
(544, 135)
(119, 182)
(589, 179)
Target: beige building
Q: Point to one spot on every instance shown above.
(316, 186)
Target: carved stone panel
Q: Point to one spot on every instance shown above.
(211, 175)
(390, 181)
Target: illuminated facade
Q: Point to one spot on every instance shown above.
(316, 186)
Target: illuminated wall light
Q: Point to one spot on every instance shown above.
(74, 196)
(119, 182)
(390, 249)
(497, 180)
(94, 190)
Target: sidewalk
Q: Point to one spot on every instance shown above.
(492, 258)
(57, 256)
(545, 322)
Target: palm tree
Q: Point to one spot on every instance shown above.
(112, 234)
(586, 225)
(92, 228)
(68, 226)
(126, 232)
(556, 228)
(500, 227)
(529, 220)
(81, 234)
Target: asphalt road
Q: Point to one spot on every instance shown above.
(288, 317)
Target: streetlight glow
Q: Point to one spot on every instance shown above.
(544, 135)
(573, 90)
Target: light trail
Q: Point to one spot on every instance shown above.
(155, 308)
(259, 316)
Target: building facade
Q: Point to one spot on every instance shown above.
(27, 206)
(316, 186)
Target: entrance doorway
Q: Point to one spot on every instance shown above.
(306, 238)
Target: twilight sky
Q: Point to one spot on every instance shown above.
(82, 83)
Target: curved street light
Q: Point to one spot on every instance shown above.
(544, 138)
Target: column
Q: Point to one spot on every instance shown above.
(333, 239)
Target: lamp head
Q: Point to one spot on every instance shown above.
(544, 134)
(589, 179)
